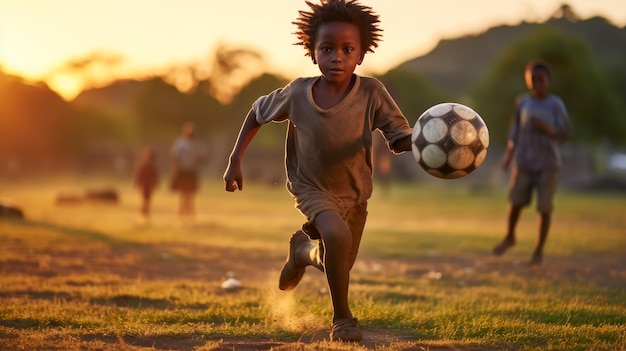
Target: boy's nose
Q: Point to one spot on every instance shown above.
(336, 57)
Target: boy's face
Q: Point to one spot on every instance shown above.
(538, 82)
(337, 50)
(189, 129)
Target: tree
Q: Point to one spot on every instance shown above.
(159, 110)
(232, 68)
(273, 135)
(35, 125)
(89, 71)
(413, 93)
(593, 107)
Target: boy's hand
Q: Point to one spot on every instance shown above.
(403, 145)
(547, 129)
(233, 177)
(506, 161)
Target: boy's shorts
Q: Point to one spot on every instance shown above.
(311, 203)
(523, 183)
(186, 181)
(354, 216)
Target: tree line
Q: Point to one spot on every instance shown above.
(40, 130)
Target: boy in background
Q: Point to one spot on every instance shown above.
(541, 122)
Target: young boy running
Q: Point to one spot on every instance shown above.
(540, 123)
(328, 149)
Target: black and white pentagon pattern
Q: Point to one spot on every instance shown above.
(450, 140)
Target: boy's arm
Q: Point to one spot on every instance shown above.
(544, 128)
(551, 131)
(508, 155)
(567, 134)
(560, 129)
(233, 176)
(513, 130)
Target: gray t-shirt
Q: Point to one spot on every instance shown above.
(329, 151)
(535, 151)
(187, 154)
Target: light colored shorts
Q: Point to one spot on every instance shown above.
(311, 203)
(523, 184)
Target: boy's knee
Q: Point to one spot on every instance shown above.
(545, 206)
(334, 232)
(337, 239)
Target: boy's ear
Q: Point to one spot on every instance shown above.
(361, 58)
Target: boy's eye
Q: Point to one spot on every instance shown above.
(346, 50)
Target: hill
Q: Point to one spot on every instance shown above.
(455, 64)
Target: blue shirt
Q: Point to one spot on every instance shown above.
(535, 150)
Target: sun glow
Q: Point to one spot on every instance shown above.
(68, 87)
(39, 36)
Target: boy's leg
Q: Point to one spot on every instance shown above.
(356, 219)
(544, 227)
(302, 253)
(337, 240)
(520, 189)
(182, 206)
(309, 253)
(509, 239)
(145, 202)
(148, 204)
(547, 185)
(334, 254)
(512, 219)
(183, 203)
(186, 203)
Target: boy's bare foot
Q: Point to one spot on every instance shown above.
(291, 274)
(503, 247)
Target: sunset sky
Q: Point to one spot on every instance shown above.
(38, 36)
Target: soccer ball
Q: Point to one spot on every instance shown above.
(450, 140)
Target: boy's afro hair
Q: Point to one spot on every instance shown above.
(337, 10)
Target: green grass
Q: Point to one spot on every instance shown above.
(94, 277)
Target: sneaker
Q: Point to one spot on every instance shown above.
(346, 330)
(503, 247)
(291, 274)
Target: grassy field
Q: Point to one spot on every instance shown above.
(96, 277)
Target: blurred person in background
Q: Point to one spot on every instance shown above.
(541, 122)
(147, 179)
(186, 159)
